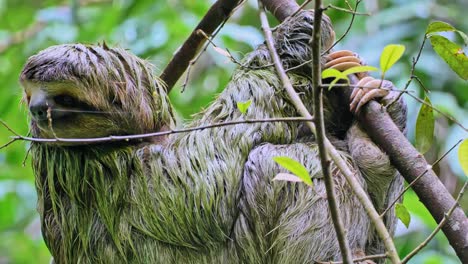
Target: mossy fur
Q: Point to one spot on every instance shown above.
(200, 197)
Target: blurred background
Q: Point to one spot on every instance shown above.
(155, 29)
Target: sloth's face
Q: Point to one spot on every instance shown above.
(84, 91)
(62, 110)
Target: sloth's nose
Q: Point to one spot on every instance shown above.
(38, 106)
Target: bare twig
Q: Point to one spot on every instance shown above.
(197, 57)
(50, 122)
(9, 142)
(26, 156)
(370, 257)
(413, 68)
(320, 136)
(155, 134)
(442, 223)
(3, 123)
(349, 11)
(217, 14)
(353, 16)
(437, 110)
(231, 57)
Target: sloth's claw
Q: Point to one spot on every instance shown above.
(368, 89)
(339, 54)
(343, 60)
(340, 60)
(375, 93)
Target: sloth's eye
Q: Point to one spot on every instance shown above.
(65, 100)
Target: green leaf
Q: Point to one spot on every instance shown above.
(425, 127)
(439, 26)
(294, 167)
(464, 36)
(391, 54)
(452, 54)
(463, 156)
(358, 69)
(333, 73)
(243, 106)
(402, 214)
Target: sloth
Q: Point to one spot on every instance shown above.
(206, 196)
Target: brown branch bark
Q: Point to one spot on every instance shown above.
(216, 15)
(410, 163)
(281, 9)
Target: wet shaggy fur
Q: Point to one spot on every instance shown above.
(206, 196)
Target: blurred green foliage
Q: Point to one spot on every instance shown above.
(155, 29)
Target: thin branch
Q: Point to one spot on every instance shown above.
(349, 11)
(413, 68)
(17, 135)
(353, 16)
(217, 14)
(442, 223)
(339, 162)
(49, 119)
(370, 257)
(156, 134)
(421, 83)
(9, 142)
(26, 156)
(3, 123)
(301, 7)
(320, 136)
(417, 178)
(197, 57)
(231, 57)
(442, 113)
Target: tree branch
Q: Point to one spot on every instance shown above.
(320, 135)
(281, 9)
(218, 13)
(410, 163)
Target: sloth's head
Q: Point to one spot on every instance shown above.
(83, 91)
